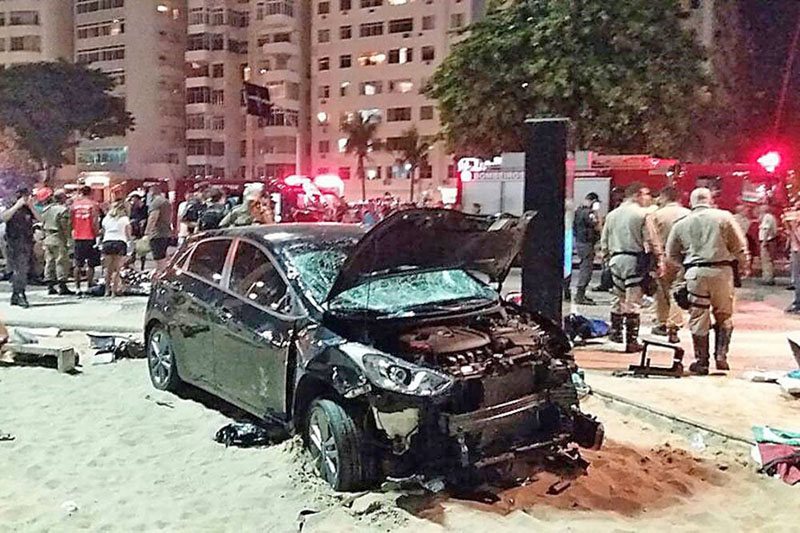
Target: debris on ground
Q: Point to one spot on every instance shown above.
(6, 437)
(243, 435)
(69, 507)
(162, 403)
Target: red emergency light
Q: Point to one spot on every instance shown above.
(770, 161)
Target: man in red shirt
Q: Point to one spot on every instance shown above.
(85, 229)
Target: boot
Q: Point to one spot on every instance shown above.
(14, 299)
(51, 288)
(582, 299)
(722, 342)
(672, 335)
(63, 290)
(18, 299)
(632, 344)
(659, 331)
(700, 365)
(615, 333)
(23, 300)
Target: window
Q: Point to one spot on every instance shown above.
(345, 32)
(398, 114)
(218, 123)
(426, 112)
(425, 171)
(401, 86)
(26, 43)
(208, 260)
(218, 70)
(23, 18)
(401, 25)
(456, 21)
(428, 53)
(428, 22)
(370, 88)
(195, 122)
(256, 279)
(345, 61)
(371, 59)
(100, 29)
(345, 5)
(370, 29)
(218, 97)
(198, 95)
(324, 36)
(324, 147)
(401, 55)
(324, 8)
(197, 70)
(324, 63)
(343, 88)
(344, 173)
(324, 92)
(90, 6)
(371, 3)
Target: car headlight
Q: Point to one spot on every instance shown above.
(400, 376)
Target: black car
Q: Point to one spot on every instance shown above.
(388, 350)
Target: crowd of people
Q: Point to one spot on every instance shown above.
(684, 258)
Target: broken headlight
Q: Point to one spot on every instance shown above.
(400, 376)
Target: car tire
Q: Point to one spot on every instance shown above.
(337, 444)
(161, 361)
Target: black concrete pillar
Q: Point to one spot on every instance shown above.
(545, 187)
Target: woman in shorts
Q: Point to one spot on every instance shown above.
(116, 236)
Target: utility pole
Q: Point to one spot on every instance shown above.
(787, 74)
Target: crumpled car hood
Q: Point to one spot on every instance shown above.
(434, 239)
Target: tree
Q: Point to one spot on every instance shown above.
(16, 168)
(51, 104)
(361, 140)
(412, 155)
(624, 71)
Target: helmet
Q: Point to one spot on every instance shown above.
(44, 194)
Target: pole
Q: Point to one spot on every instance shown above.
(545, 189)
(787, 74)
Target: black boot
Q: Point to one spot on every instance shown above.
(615, 333)
(14, 299)
(672, 335)
(23, 300)
(700, 365)
(722, 342)
(632, 344)
(582, 299)
(51, 288)
(659, 331)
(63, 290)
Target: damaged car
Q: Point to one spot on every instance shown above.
(390, 351)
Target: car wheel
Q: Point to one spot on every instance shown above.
(161, 360)
(338, 447)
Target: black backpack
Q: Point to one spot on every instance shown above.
(211, 217)
(194, 212)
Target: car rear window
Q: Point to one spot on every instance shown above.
(208, 260)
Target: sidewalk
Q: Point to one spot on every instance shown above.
(117, 315)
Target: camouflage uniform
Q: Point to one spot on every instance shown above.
(57, 224)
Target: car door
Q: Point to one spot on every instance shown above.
(201, 285)
(253, 344)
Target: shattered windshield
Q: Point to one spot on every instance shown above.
(318, 269)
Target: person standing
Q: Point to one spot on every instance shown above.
(214, 212)
(116, 236)
(57, 225)
(19, 220)
(711, 245)
(627, 243)
(793, 223)
(138, 218)
(767, 238)
(586, 229)
(85, 230)
(159, 227)
(254, 209)
(669, 317)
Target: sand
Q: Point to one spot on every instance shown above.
(104, 451)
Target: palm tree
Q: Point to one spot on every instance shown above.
(413, 154)
(361, 140)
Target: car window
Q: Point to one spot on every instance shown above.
(208, 260)
(255, 278)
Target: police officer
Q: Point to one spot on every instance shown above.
(57, 225)
(669, 317)
(19, 219)
(709, 243)
(586, 228)
(628, 242)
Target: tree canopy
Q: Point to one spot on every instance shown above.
(16, 168)
(625, 71)
(361, 134)
(413, 154)
(48, 104)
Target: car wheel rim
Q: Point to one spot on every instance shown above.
(161, 358)
(323, 446)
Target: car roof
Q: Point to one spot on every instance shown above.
(282, 235)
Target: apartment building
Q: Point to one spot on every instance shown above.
(373, 58)
(216, 59)
(35, 30)
(141, 44)
(279, 59)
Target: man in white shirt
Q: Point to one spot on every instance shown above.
(767, 238)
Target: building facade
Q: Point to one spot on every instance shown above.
(35, 30)
(141, 44)
(373, 58)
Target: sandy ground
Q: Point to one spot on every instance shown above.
(104, 451)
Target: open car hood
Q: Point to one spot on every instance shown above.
(434, 239)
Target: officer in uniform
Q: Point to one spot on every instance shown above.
(628, 243)
(669, 317)
(57, 224)
(586, 229)
(710, 244)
